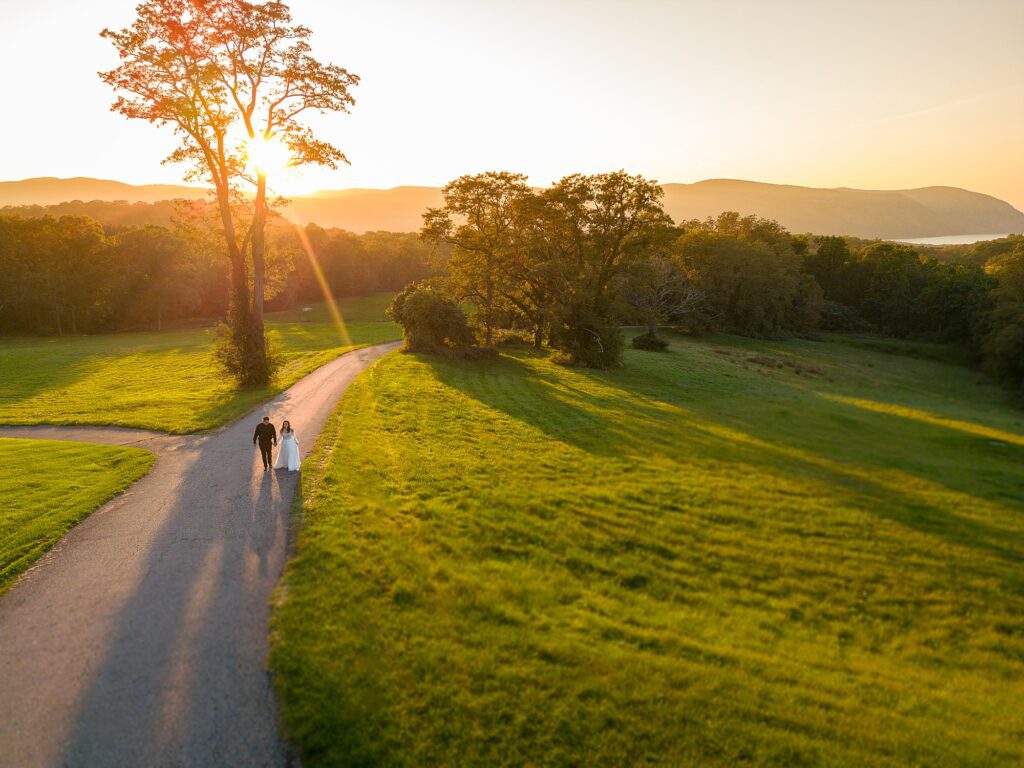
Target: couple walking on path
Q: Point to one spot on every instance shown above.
(266, 436)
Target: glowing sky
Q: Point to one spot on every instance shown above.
(894, 94)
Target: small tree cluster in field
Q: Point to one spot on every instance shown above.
(547, 260)
(432, 323)
(571, 263)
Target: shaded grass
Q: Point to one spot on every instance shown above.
(737, 553)
(38, 507)
(168, 381)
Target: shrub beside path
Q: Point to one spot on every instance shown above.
(141, 638)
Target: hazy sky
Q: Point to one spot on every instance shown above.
(894, 94)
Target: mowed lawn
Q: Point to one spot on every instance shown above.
(736, 553)
(38, 507)
(169, 381)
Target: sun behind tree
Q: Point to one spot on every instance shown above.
(271, 157)
(232, 78)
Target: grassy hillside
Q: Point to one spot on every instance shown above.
(36, 510)
(732, 554)
(168, 381)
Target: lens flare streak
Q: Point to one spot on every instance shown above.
(332, 306)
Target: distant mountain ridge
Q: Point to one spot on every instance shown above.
(892, 214)
(49, 190)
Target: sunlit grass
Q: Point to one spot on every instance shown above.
(168, 381)
(46, 487)
(712, 557)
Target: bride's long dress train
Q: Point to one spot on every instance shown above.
(288, 454)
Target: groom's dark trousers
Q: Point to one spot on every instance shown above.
(266, 436)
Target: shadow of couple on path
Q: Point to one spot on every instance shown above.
(184, 678)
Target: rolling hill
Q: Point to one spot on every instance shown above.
(895, 214)
(925, 212)
(51, 191)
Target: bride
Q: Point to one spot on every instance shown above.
(288, 455)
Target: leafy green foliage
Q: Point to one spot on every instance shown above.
(548, 259)
(650, 342)
(203, 69)
(36, 511)
(750, 273)
(430, 321)
(836, 316)
(1004, 346)
(893, 288)
(239, 358)
(477, 222)
(740, 553)
(55, 273)
(583, 338)
(153, 276)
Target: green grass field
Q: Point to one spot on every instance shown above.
(36, 509)
(737, 553)
(168, 381)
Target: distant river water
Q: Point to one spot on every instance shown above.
(950, 239)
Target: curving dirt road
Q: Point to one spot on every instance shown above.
(141, 638)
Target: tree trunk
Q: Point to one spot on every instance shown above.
(259, 247)
(246, 336)
(489, 320)
(538, 336)
(74, 323)
(60, 330)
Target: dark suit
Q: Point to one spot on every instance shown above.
(267, 437)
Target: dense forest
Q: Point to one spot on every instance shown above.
(70, 274)
(567, 265)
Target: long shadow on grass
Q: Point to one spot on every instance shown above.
(592, 412)
(32, 368)
(575, 409)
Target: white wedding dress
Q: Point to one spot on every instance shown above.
(288, 453)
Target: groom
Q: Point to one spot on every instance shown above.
(267, 436)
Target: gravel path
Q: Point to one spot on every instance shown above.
(141, 638)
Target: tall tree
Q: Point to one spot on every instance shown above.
(658, 290)
(232, 78)
(477, 222)
(597, 227)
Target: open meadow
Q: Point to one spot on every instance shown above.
(47, 486)
(735, 553)
(169, 381)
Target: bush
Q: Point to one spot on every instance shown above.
(650, 342)
(504, 337)
(431, 322)
(237, 353)
(591, 346)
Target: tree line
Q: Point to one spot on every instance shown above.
(895, 289)
(570, 264)
(71, 275)
(566, 266)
